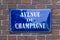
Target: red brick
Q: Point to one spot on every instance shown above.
(10, 6)
(3, 17)
(18, 1)
(26, 1)
(53, 6)
(26, 33)
(12, 2)
(54, 1)
(55, 31)
(5, 22)
(9, 1)
(56, 26)
(11, 37)
(3, 37)
(26, 38)
(59, 32)
(41, 2)
(56, 17)
(53, 37)
(0, 1)
(3, 7)
(0, 22)
(41, 37)
(6, 32)
(3, 27)
(56, 20)
(6, 12)
(0, 11)
(26, 7)
(39, 6)
(0, 32)
(56, 11)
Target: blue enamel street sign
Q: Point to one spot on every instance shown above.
(30, 20)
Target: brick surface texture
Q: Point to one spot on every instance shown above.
(5, 5)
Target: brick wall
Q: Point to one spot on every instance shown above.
(5, 5)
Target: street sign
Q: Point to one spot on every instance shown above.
(30, 20)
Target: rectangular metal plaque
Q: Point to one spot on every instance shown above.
(30, 20)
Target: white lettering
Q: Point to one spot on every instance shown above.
(30, 14)
(30, 25)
